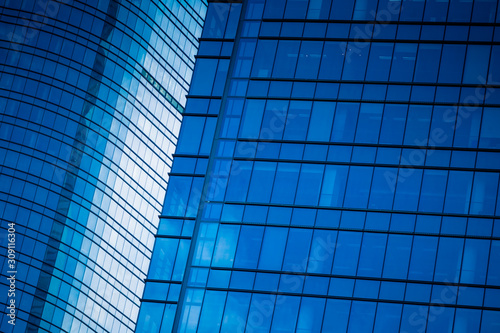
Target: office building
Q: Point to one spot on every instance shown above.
(337, 171)
(91, 96)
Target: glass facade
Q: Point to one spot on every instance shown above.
(337, 171)
(91, 96)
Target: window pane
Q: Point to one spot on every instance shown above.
(311, 176)
(372, 255)
(334, 183)
(403, 62)
(297, 250)
(452, 62)
(380, 62)
(449, 259)
(225, 246)
(344, 126)
(264, 58)
(370, 116)
(309, 60)
(273, 248)
(262, 182)
(211, 313)
(427, 64)
(417, 126)
(490, 135)
(475, 261)
(310, 315)
(239, 180)
(252, 118)
(408, 189)
(297, 120)
(476, 64)
(322, 251)
(388, 317)
(484, 193)
(236, 310)
(393, 124)
(355, 61)
(346, 256)
(382, 189)
(458, 192)
(321, 122)
(358, 187)
(397, 256)
(285, 315)
(287, 59)
(423, 258)
(362, 316)
(285, 183)
(336, 316)
(332, 60)
(433, 191)
(247, 253)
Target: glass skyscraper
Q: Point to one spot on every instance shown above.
(91, 96)
(337, 170)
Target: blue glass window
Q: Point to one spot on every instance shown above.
(371, 258)
(344, 126)
(490, 136)
(355, 61)
(297, 120)
(393, 124)
(452, 62)
(236, 312)
(225, 246)
(273, 248)
(309, 60)
(407, 189)
(321, 121)
(287, 54)
(336, 316)
(379, 63)
(476, 64)
(299, 241)
(357, 189)
(285, 315)
(262, 182)
(310, 315)
(433, 191)
(239, 180)
(334, 184)
(403, 61)
(427, 65)
(285, 183)
(249, 241)
(397, 256)
(264, 58)
(417, 126)
(362, 316)
(308, 190)
(449, 259)
(332, 60)
(458, 192)
(370, 116)
(388, 317)
(211, 313)
(423, 258)
(475, 261)
(346, 256)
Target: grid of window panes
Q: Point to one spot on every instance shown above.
(353, 182)
(86, 146)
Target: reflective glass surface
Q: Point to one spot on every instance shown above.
(349, 172)
(91, 96)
